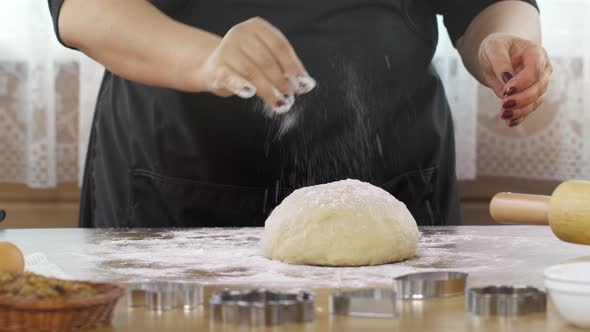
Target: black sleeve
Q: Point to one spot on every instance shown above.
(54, 9)
(459, 13)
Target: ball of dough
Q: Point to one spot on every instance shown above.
(11, 258)
(344, 223)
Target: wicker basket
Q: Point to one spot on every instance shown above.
(64, 315)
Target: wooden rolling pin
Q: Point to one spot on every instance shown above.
(567, 210)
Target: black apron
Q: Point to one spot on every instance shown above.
(163, 158)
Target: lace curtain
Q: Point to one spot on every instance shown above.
(47, 97)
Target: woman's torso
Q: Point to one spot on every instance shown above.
(188, 159)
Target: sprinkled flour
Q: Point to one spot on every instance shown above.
(232, 256)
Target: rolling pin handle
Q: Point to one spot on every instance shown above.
(509, 208)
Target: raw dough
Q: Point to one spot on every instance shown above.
(344, 223)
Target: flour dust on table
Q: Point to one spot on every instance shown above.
(343, 223)
(231, 256)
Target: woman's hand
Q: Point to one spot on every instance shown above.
(518, 71)
(255, 58)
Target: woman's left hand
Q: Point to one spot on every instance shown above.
(518, 71)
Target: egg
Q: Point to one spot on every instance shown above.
(11, 259)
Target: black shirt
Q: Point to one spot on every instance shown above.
(160, 157)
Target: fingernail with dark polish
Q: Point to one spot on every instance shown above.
(246, 91)
(514, 123)
(506, 76)
(509, 104)
(284, 105)
(509, 92)
(507, 114)
(289, 98)
(304, 84)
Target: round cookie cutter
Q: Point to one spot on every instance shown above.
(259, 307)
(430, 284)
(161, 296)
(379, 303)
(505, 301)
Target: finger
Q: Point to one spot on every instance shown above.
(285, 55)
(279, 102)
(515, 122)
(227, 82)
(516, 114)
(496, 87)
(529, 95)
(498, 55)
(258, 53)
(534, 62)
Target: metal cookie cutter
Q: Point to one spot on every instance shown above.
(162, 296)
(261, 307)
(379, 303)
(505, 301)
(430, 284)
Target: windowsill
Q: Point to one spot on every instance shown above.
(39, 208)
(58, 207)
(17, 192)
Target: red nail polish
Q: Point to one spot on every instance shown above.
(509, 92)
(506, 76)
(509, 104)
(514, 123)
(280, 103)
(507, 114)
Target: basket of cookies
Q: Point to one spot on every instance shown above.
(31, 302)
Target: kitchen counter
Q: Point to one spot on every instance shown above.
(220, 258)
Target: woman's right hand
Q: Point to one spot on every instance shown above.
(255, 58)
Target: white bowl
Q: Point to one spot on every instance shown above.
(578, 273)
(569, 287)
